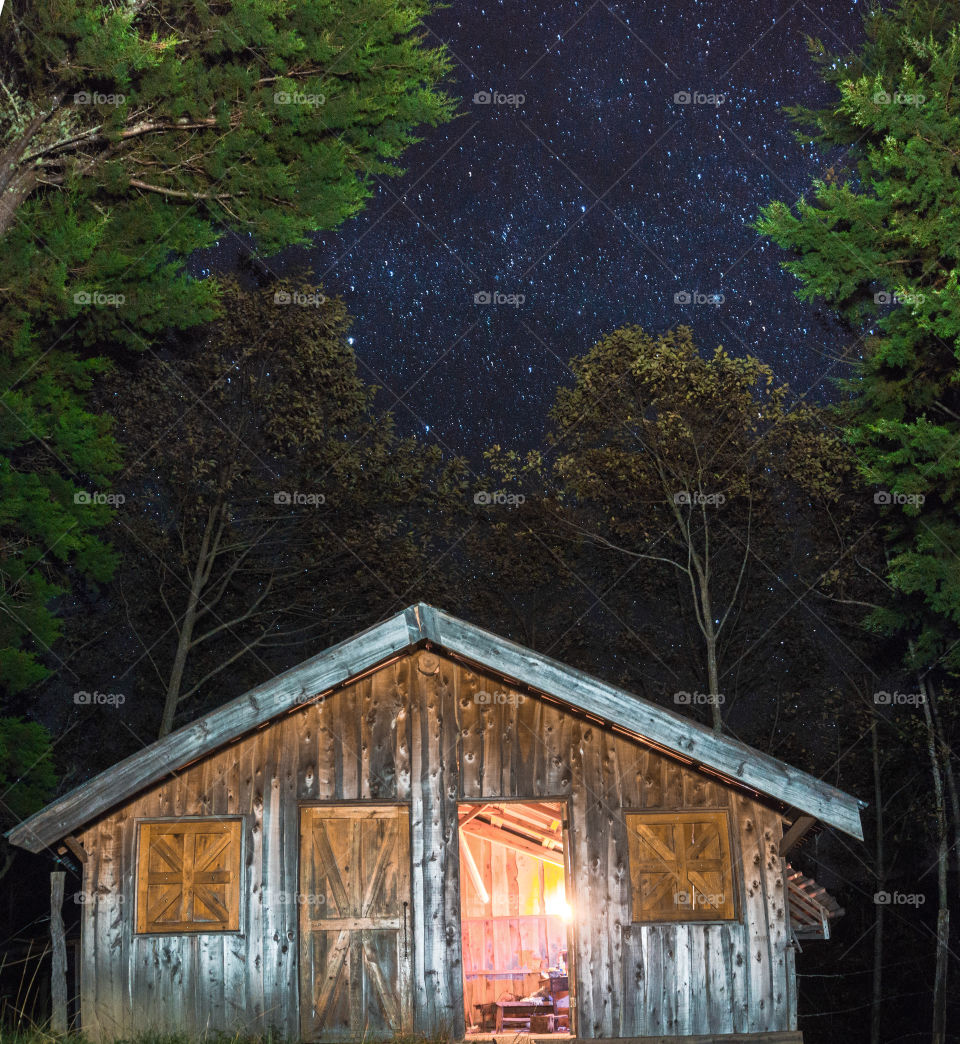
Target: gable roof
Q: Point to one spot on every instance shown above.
(691, 741)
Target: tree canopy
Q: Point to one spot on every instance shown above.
(132, 135)
(879, 240)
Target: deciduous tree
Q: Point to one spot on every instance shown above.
(699, 470)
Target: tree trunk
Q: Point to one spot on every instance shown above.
(714, 680)
(939, 1027)
(185, 636)
(951, 780)
(16, 181)
(8, 860)
(710, 637)
(876, 1009)
(200, 576)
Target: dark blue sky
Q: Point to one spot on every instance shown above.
(598, 197)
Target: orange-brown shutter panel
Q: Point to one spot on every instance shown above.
(680, 867)
(188, 876)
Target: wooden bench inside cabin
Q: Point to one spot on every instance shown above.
(517, 1014)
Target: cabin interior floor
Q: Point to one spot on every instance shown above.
(509, 1036)
(515, 920)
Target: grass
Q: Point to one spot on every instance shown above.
(34, 1034)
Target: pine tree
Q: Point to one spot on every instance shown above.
(27, 777)
(880, 242)
(132, 134)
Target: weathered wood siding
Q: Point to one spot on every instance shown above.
(636, 980)
(354, 746)
(416, 732)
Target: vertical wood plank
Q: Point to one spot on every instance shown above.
(280, 919)
(610, 784)
(653, 1022)
(719, 1016)
(586, 861)
(88, 936)
(633, 982)
(451, 1000)
(668, 935)
(401, 685)
(557, 744)
(427, 852)
(471, 734)
(491, 718)
(758, 970)
(673, 780)
(262, 891)
(778, 928)
(652, 782)
(58, 949)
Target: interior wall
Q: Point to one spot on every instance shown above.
(518, 933)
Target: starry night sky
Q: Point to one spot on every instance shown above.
(598, 199)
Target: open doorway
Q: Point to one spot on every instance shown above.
(515, 916)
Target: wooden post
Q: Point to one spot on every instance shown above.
(58, 971)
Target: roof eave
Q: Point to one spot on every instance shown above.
(338, 664)
(319, 674)
(691, 740)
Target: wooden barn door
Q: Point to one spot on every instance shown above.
(355, 923)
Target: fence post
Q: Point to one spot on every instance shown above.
(58, 970)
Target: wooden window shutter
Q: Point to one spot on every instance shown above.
(680, 867)
(188, 875)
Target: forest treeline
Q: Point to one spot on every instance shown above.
(199, 489)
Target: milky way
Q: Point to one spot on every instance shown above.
(604, 170)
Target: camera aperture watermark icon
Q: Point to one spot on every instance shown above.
(88, 898)
(899, 699)
(714, 98)
(497, 297)
(298, 898)
(499, 499)
(898, 98)
(694, 297)
(97, 299)
(899, 898)
(297, 297)
(499, 697)
(699, 699)
(694, 898)
(298, 98)
(910, 298)
(885, 496)
(99, 699)
(696, 498)
(97, 98)
(96, 498)
(295, 498)
(510, 101)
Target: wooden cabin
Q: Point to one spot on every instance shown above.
(430, 829)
